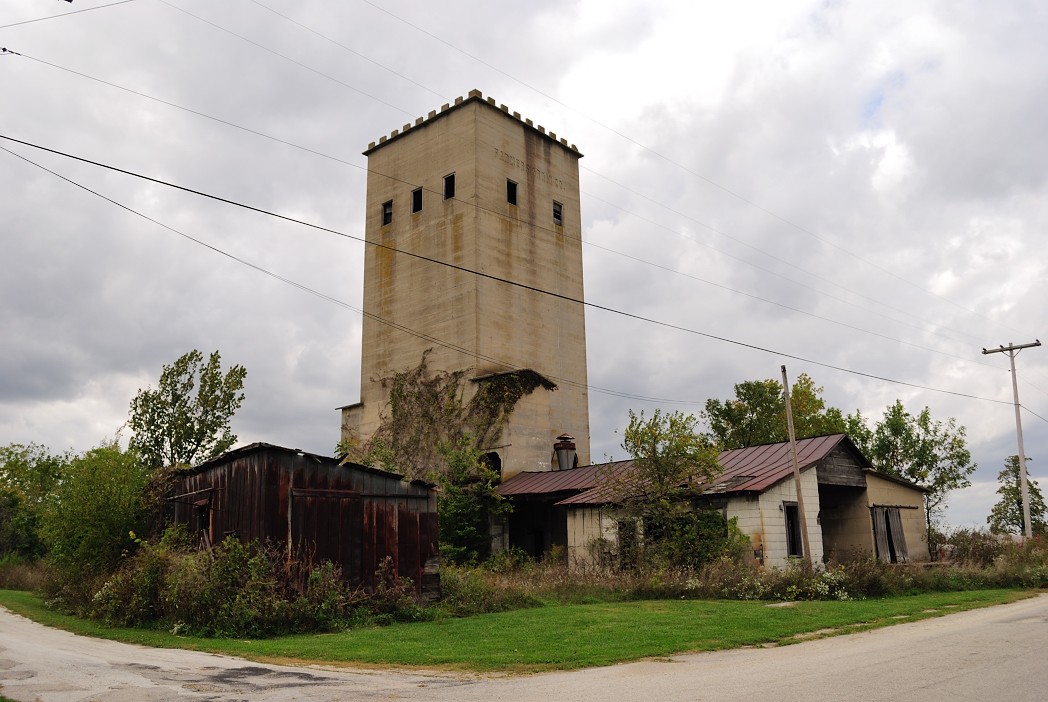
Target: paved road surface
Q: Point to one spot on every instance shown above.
(999, 653)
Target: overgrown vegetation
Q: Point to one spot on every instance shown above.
(430, 431)
(233, 590)
(467, 503)
(428, 412)
(671, 462)
(977, 561)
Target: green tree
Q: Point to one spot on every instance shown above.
(757, 414)
(1006, 517)
(671, 462)
(467, 503)
(87, 519)
(28, 474)
(173, 426)
(926, 451)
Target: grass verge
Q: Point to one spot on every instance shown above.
(554, 637)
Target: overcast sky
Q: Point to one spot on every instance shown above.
(861, 185)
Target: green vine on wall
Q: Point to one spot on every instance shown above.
(428, 412)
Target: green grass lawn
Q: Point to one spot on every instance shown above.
(554, 637)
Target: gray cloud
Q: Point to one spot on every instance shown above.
(901, 144)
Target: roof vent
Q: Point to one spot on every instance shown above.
(565, 450)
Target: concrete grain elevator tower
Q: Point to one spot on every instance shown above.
(481, 188)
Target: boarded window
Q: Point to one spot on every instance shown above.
(416, 200)
(628, 543)
(449, 186)
(793, 529)
(387, 212)
(558, 213)
(511, 192)
(888, 535)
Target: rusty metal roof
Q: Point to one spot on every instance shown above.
(549, 482)
(752, 469)
(318, 458)
(757, 468)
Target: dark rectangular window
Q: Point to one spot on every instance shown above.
(511, 192)
(416, 200)
(387, 212)
(793, 529)
(449, 186)
(558, 213)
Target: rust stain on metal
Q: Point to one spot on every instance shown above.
(316, 509)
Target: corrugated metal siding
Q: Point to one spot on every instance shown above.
(351, 515)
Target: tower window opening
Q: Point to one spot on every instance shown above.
(387, 212)
(416, 200)
(558, 213)
(449, 186)
(511, 192)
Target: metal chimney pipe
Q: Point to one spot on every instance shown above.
(565, 450)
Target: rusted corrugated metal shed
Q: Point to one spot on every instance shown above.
(315, 508)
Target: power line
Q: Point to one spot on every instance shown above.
(696, 174)
(288, 58)
(324, 296)
(545, 229)
(773, 257)
(480, 274)
(597, 122)
(1034, 414)
(339, 44)
(64, 14)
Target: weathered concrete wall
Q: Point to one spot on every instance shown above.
(887, 493)
(586, 527)
(763, 518)
(496, 327)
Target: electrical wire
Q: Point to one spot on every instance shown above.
(324, 296)
(544, 229)
(288, 58)
(533, 88)
(339, 44)
(523, 286)
(686, 169)
(64, 14)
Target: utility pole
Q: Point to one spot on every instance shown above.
(796, 471)
(1012, 350)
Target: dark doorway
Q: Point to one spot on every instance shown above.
(793, 529)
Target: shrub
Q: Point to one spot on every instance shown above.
(88, 517)
(18, 573)
(973, 547)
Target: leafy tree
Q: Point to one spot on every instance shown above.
(28, 474)
(87, 519)
(174, 426)
(1006, 517)
(757, 415)
(920, 449)
(671, 462)
(467, 503)
(31, 470)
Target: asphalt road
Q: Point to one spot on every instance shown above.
(998, 653)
